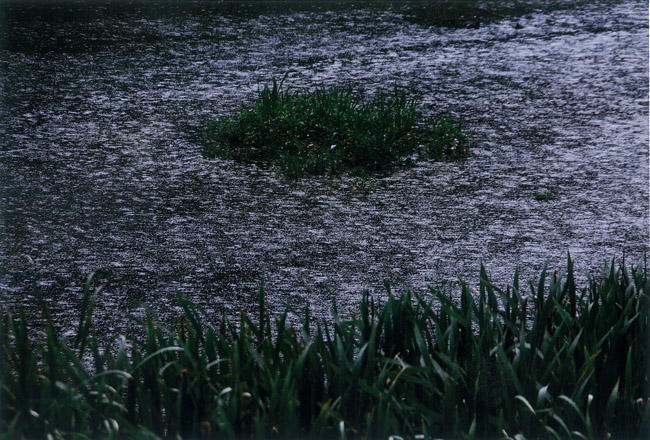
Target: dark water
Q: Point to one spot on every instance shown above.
(101, 168)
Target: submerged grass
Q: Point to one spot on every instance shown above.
(551, 361)
(330, 131)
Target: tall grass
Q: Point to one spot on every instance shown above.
(330, 131)
(550, 361)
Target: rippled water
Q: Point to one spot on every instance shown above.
(102, 168)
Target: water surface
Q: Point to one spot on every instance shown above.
(101, 164)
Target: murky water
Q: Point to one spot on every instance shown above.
(102, 169)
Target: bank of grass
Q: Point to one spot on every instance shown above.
(331, 131)
(554, 360)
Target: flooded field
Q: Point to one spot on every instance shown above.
(102, 169)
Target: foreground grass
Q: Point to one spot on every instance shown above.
(330, 131)
(544, 362)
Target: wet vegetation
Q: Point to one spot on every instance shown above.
(333, 130)
(555, 360)
(545, 196)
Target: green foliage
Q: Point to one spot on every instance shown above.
(330, 131)
(545, 196)
(555, 362)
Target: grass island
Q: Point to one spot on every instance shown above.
(333, 130)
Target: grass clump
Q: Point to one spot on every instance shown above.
(545, 196)
(557, 362)
(331, 131)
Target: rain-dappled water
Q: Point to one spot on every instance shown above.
(102, 167)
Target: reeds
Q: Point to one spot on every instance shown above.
(549, 361)
(330, 131)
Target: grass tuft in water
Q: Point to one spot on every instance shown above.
(545, 196)
(331, 131)
(552, 361)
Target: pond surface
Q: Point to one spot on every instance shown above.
(102, 170)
